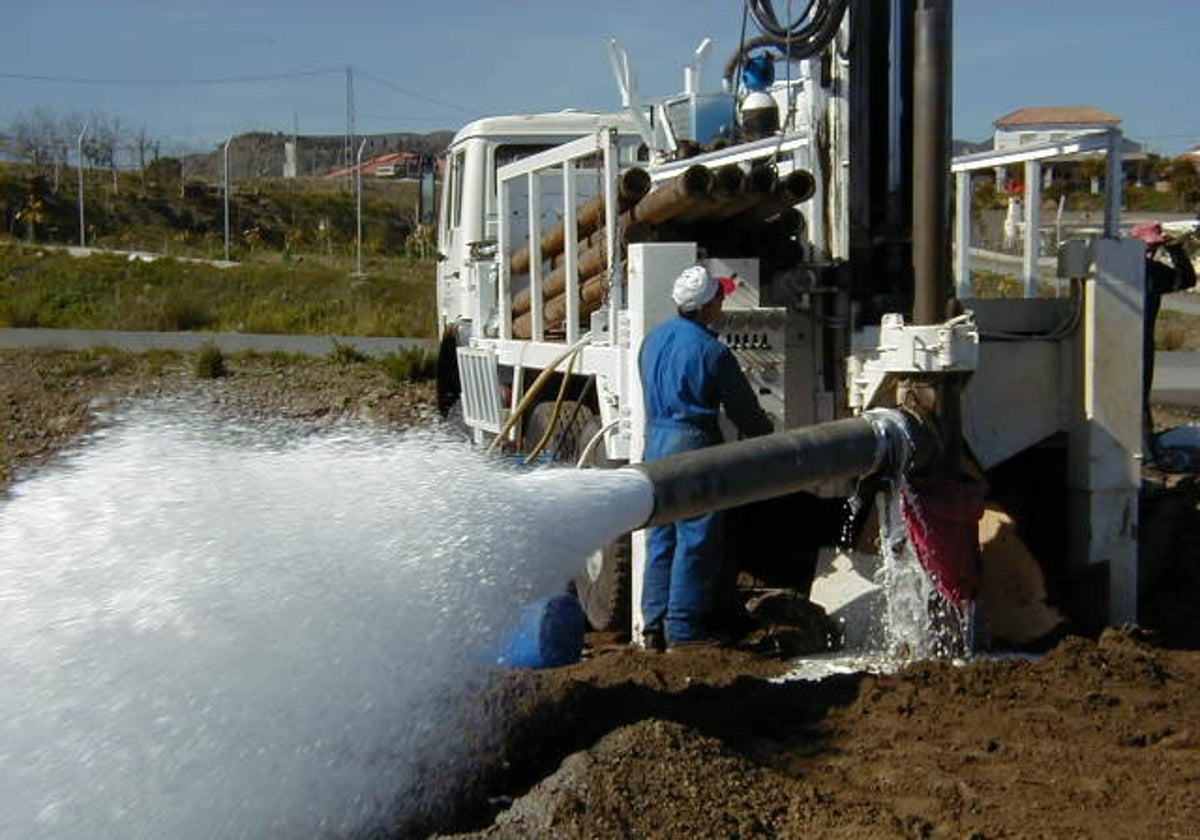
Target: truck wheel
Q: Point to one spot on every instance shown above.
(603, 584)
(449, 388)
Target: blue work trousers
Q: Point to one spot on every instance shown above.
(683, 563)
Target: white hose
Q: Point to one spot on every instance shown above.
(595, 441)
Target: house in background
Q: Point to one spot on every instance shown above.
(1031, 126)
(402, 164)
(1027, 126)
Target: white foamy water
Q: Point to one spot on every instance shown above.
(907, 587)
(214, 632)
(883, 605)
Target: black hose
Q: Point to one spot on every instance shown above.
(733, 474)
(802, 38)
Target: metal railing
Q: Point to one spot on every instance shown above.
(561, 162)
(1030, 248)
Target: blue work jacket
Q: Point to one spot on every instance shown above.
(688, 375)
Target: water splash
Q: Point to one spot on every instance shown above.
(906, 587)
(216, 631)
(889, 610)
(921, 622)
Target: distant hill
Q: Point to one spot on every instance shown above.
(968, 147)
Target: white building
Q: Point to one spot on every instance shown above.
(1029, 126)
(1048, 125)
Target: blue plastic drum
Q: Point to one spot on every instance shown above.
(549, 634)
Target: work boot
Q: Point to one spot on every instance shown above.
(709, 640)
(653, 641)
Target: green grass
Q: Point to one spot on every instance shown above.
(414, 365)
(210, 362)
(41, 287)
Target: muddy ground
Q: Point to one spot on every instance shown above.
(1098, 738)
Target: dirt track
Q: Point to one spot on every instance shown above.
(1100, 738)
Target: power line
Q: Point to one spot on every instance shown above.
(231, 80)
(408, 92)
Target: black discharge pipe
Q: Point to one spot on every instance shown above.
(733, 474)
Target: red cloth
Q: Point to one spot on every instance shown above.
(942, 518)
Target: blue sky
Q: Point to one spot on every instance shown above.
(422, 66)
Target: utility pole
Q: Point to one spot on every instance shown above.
(226, 184)
(358, 199)
(79, 162)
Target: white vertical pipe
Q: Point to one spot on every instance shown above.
(570, 251)
(504, 275)
(962, 236)
(1033, 227)
(536, 306)
(616, 298)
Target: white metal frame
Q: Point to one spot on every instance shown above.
(605, 355)
(1032, 156)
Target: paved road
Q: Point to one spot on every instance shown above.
(1186, 302)
(1177, 374)
(309, 345)
(1177, 378)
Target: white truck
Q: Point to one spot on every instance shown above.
(559, 235)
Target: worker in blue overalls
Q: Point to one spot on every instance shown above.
(687, 375)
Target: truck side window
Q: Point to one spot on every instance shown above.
(455, 189)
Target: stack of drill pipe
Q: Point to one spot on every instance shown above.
(759, 184)
(728, 184)
(689, 187)
(706, 220)
(589, 262)
(632, 186)
(795, 187)
(746, 212)
(688, 193)
(657, 206)
(591, 296)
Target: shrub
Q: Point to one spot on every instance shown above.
(210, 362)
(346, 354)
(412, 365)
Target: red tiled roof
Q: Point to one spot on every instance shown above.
(370, 167)
(1062, 115)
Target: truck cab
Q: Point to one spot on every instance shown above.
(468, 221)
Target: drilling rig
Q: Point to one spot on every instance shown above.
(819, 173)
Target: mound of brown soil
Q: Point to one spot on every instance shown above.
(1097, 739)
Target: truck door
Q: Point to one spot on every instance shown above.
(450, 270)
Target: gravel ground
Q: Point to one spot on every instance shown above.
(1099, 738)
